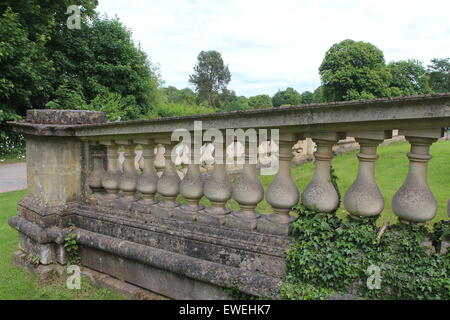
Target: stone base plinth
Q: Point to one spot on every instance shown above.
(179, 258)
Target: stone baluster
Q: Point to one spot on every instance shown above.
(218, 187)
(320, 193)
(191, 187)
(414, 201)
(169, 183)
(160, 162)
(282, 193)
(128, 179)
(248, 191)
(148, 180)
(111, 177)
(97, 170)
(364, 198)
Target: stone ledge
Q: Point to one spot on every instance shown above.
(36, 233)
(98, 279)
(201, 217)
(201, 271)
(254, 241)
(44, 215)
(254, 254)
(65, 117)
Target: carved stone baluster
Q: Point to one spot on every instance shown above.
(218, 187)
(364, 198)
(148, 180)
(160, 162)
(97, 170)
(111, 177)
(128, 179)
(320, 194)
(414, 201)
(191, 187)
(169, 183)
(282, 193)
(248, 191)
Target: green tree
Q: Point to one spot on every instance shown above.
(439, 73)
(409, 76)
(43, 63)
(25, 70)
(288, 97)
(211, 76)
(43, 20)
(180, 96)
(307, 97)
(101, 59)
(354, 70)
(260, 101)
(229, 101)
(318, 96)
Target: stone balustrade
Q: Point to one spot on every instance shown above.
(75, 175)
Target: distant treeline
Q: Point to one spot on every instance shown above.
(44, 64)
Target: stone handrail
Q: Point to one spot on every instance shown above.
(74, 170)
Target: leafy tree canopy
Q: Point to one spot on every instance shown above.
(307, 97)
(101, 60)
(260, 101)
(354, 70)
(181, 96)
(25, 70)
(45, 64)
(211, 76)
(410, 77)
(439, 73)
(229, 101)
(286, 97)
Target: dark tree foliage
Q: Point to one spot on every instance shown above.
(354, 70)
(182, 96)
(211, 76)
(288, 97)
(260, 101)
(409, 77)
(307, 97)
(100, 63)
(439, 74)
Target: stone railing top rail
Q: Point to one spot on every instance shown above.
(422, 111)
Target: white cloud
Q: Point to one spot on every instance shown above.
(270, 45)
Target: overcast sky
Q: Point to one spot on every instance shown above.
(270, 45)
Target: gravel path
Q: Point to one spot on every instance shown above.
(13, 176)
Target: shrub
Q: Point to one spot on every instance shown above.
(175, 109)
(332, 256)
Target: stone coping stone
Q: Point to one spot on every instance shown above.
(65, 117)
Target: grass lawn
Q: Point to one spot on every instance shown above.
(16, 283)
(7, 160)
(392, 168)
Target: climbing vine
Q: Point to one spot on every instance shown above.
(71, 246)
(331, 257)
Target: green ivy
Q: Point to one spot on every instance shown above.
(235, 293)
(331, 256)
(71, 246)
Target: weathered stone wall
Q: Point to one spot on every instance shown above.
(54, 169)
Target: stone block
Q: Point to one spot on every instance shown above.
(211, 219)
(46, 252)
(65, 117)
(161, 281)
(268, 224)
(162, 212)
(179, 213)
(234, 220)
